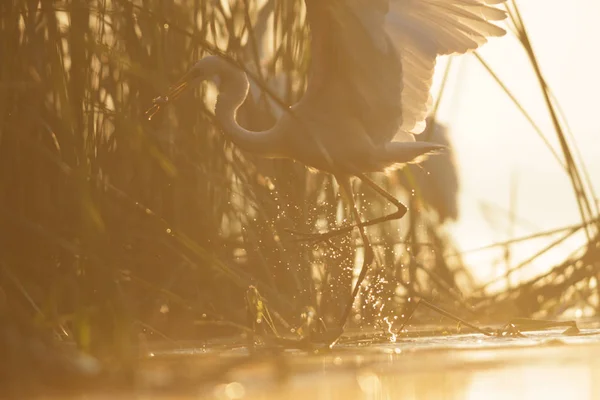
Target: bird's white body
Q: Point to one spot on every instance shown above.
(368, 93)
(369, 87)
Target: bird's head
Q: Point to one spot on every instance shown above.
(208, 68)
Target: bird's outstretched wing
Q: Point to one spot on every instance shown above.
(355, 72)
(373, 60)
(420, 30)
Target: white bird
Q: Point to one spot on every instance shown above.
(368, 92)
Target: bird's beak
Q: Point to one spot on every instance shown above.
(174, 92)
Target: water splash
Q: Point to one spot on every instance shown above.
(393, 336)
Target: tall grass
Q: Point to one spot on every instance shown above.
(114, 226)
(572, 283)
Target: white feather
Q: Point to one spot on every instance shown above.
(420, 30)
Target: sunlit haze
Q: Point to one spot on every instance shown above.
(500, 154)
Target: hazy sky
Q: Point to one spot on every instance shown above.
(497, 148)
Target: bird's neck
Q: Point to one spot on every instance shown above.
(232, 93)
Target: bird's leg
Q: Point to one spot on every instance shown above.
(346, 191)
(399, 213)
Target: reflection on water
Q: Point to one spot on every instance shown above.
(540, 381)
(504, 369)
(545, 366)
(522, 381)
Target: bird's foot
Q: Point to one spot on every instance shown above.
(315, 238)
(327, 338)
(299, 236)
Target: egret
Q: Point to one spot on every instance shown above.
(368, 92)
